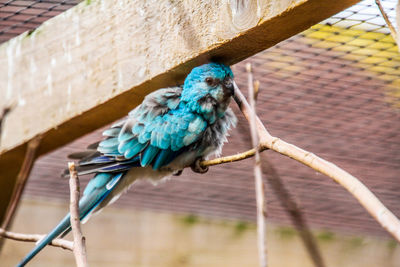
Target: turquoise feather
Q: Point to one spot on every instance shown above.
(170, 123)
(112, 132)
(134, 150)
(110, 142)
(148, 155)
(162, 158)
(126, 145)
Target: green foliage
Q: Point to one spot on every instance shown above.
(326, 236)
(241, 227)
(391, 244)
(286, 232)
(190, 219)
(357, 241)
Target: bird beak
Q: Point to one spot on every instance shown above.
(235, 88)
(229, 84)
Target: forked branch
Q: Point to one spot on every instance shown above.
(78, 246)
(79, 239)
(61, 243)
(258, 181)
(21, 180)
(387, 20)
(366, 198)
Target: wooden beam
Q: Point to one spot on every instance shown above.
(93, 63)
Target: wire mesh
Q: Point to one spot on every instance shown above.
(17, 16)
(333, 89)
(358, 35)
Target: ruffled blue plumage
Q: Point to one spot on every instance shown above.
(167, 132)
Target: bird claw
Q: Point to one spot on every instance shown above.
(177, 173)
(196, 167)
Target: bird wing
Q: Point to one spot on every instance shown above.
(150, 135)
(154, 134)
(157, 131)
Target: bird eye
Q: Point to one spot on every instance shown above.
(209, 81)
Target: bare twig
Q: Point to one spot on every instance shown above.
(260, 197)
(387, 20)
(287, 201)
(79, 240)
(366, 198)
(19, 186)
(241, 156)
(256, 85)
(21, 180)
(289, 204)
(35, 238)
(398, 24)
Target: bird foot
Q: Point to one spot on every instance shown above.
(196, 167)
(177, 173)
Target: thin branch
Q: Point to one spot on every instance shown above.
(398, 24)
(259, 186)
(241, 156)
(21, 180)
(366, 198)
(61, 243)
(289, 204)
(287, 201)
(387, 20)
(79, 239)
(256, 87)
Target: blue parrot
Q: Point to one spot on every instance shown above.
(172, 129)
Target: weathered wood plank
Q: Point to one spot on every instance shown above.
(96, 61)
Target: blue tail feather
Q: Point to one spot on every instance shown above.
(93, 196)
(58, 230)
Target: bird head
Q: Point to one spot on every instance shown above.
(208, 88)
